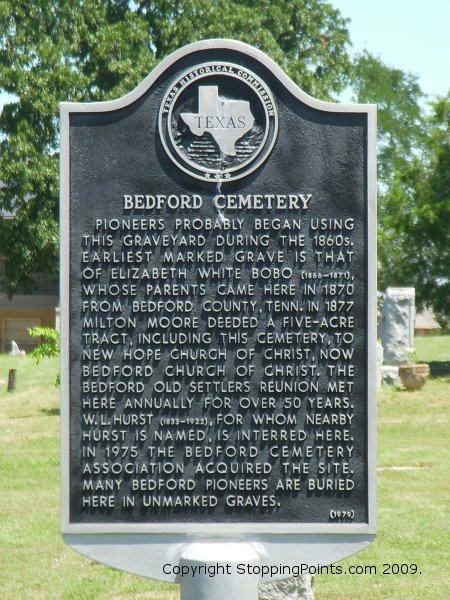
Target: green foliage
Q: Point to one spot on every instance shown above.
(87, 50)
(400, 120)
(52, 51)
(414, 246)
(50, 343)
(49, 346)
(308, 38)
(414, 191)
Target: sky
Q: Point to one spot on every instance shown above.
(412, 35)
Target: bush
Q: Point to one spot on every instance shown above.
(49, 346)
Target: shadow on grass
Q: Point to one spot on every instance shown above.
(50, 412)
(439, 368)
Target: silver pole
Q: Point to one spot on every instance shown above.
(219, 571)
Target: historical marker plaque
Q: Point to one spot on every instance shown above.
(219, 302)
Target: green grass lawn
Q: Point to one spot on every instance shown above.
(34, 562)
(413, 494)
(413, 482)
(435, 348)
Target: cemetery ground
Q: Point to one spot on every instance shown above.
(413, 498)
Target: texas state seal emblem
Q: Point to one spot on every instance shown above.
(218, 122)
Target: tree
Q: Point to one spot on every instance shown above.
(307, 38)
(413, 194)
(52, 51)
(415, 241)
(400, 119)
(86, 50)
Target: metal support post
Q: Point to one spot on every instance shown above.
(213, 571)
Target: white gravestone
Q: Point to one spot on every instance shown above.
(14, 349)
(397, 325)
(295, 588)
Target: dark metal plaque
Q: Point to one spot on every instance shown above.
(219, 304)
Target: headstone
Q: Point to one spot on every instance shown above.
(297, 588)
(14, 349)
(390, 375)
(218, 318)
(397, 326)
